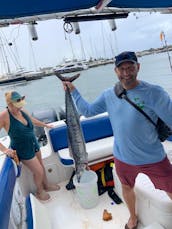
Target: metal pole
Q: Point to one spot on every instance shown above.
(169, 58)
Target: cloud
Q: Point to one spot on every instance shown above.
(142, 31)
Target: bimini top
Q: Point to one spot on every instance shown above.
(16, 9)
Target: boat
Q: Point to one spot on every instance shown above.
(71, 66)
(23, 77)
(12, 80)
(64, 210)
(18, 206)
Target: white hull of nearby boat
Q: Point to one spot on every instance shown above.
(64, 209)
(71, 67)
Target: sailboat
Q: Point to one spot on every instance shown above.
(18, 206)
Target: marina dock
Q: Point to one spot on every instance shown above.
(44, 72)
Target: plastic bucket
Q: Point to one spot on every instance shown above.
(86, 189)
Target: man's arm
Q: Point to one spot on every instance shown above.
(85, 108)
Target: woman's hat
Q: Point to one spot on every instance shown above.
(15, 98)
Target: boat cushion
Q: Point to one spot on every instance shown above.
(93, 129)
(98, 150)
(97, 133)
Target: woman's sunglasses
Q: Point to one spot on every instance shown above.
(19, 100)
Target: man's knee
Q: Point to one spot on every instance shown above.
(126, 187)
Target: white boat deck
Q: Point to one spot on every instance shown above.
(65, 212)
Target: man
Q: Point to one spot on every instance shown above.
(134, 151)
(19, 126)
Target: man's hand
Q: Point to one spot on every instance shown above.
(69, 85)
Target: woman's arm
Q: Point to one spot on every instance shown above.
(39, 123)
(3, 124)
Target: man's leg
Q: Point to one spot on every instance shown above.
(169, 194)
(127, 175)
(130, 199)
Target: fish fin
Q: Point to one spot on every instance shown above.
(70, 79)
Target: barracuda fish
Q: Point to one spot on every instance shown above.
(76, 140)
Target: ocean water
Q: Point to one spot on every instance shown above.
(48, 92)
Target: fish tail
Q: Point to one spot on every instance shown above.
(70, 79)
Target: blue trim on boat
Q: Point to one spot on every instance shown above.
(170, 138)
(7, 182)
(67, 162)
(29, 215)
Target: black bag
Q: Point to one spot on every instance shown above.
(164, 131)
(106, 183)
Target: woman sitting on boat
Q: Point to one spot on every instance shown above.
(20, 127)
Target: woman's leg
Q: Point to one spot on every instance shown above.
(38, 174)
(47, 186)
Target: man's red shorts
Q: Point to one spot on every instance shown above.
(159, 173)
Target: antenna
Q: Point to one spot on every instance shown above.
(162, 37)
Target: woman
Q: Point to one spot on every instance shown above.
(19, 126)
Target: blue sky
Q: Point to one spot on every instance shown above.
(138, 32)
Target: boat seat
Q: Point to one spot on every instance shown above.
(97, 150)
(168, 148)
(153, 205)
(98, 136)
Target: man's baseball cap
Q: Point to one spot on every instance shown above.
(124, 57)
(15, 98)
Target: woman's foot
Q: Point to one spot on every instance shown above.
(44, 196)
(51, 187)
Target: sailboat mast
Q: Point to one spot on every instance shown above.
(70, 42)
(5, 57)
(104, 49)
(82, 48)
(33, 55)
